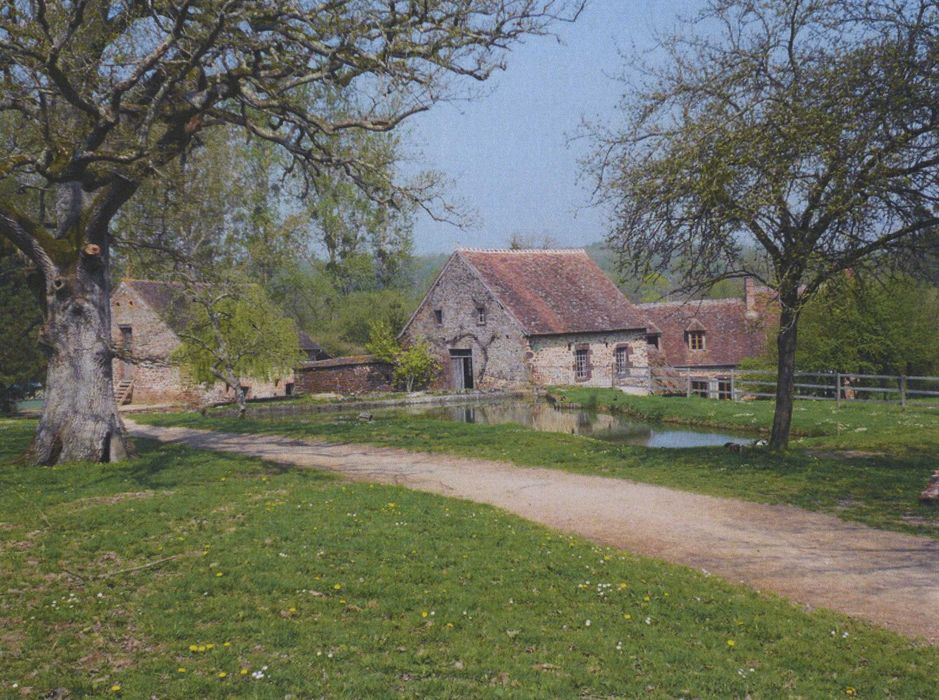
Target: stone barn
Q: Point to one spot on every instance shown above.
(520, 318)
(146, 318)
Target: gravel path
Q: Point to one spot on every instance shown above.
(885, 577)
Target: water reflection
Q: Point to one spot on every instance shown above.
(547, 418)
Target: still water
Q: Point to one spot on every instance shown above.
(543, 416)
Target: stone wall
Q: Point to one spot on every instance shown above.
(156, 379)
(552, 360)
(359, 374)
(498, 346)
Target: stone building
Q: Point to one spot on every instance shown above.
(146, 318)
(520, 318)
(705, 338)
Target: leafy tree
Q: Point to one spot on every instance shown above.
(99, 97)
(234, 331)
(22, 365)
(809, 128)
(414, 365)
(870, 326)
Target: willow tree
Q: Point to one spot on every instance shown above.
(98, 96)
(806, 128)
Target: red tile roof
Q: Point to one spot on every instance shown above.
(554, 291)
(731, 334)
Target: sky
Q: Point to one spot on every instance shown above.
(508, 154)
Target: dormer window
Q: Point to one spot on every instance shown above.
(695, 340)
(438, 316)
(652, 340)
(480, 315)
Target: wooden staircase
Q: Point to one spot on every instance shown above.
(123, 391)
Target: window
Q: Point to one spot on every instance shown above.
(582, 364)
(700, 387)
(725, 389)
(652, 340)
(480, 315)
(438, 316)
(696, 340)
(621, 360)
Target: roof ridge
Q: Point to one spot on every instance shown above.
(521, 250)
(691, 302)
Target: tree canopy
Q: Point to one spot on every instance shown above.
(809, 128)
(97, 98)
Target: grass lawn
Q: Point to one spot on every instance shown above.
(184, 574)
(879, 491)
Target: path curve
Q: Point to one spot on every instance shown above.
(885, 577)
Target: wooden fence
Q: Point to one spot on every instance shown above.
(740, 384)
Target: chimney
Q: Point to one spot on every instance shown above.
(749, 295)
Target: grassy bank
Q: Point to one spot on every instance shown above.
(856, 425)
(186, 574)
(876, 491)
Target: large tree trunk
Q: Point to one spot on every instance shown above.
(785, 371)
(80, 421)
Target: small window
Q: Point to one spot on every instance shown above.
(621, 360)
(725, 389)
(700, 387)
(652, 340)
(438, 316)
(582, 364)
(480, 315)
(696, 340)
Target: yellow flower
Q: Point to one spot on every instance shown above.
(424, 613)
(291, 610)
(243, 672)
(222, 674)
(731, 643)
(219, 573)
(180, 670)
(337, 586)
(193, 647)
(850, 691)
(116, 688)
(209, 646)
(226, 644)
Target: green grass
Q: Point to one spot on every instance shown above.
(335, 589)
(856, 425)
(876, 491)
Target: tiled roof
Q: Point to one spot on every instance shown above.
(554, 291)
(167, 299)
(731, 334)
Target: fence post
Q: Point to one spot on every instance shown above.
(838, 389)
(733, 384)
(902, 391)
(688, 390)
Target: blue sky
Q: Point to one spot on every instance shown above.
(507, 152)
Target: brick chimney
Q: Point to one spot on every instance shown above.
(749, 295)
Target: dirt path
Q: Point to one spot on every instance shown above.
(818, 560)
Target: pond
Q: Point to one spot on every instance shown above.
(602, 426)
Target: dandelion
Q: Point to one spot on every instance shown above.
(116, 688)
(731, 643)
(181, 669)
(226, 644)
(337, 586)
(424, 613)
(222, 674)
(627, 616)
(243, 672)
(850, 691)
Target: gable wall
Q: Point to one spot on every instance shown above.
(499, 348)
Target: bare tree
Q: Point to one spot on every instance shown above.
(99, 96)
(809, 128)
